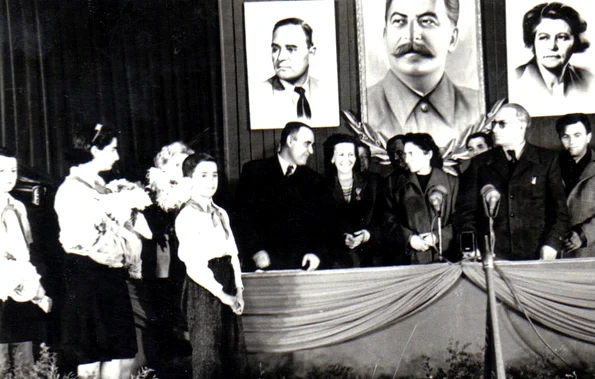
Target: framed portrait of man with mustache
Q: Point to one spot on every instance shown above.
(421, 68)
(551, 65)
(291, 57)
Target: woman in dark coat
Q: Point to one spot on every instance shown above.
(352, 202)
(413, 200)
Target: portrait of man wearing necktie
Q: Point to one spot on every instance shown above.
(293, 92)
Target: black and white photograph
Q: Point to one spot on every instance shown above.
(300, 189)
(421, 50)
(292, 63)
(550, 61)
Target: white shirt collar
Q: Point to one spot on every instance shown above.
(518, 150)
(284, 164)
(86, 175)
(291, 87)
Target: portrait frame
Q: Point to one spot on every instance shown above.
(270, 108)
(464, 66)
(526, 86)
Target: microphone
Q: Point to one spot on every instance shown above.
(491, 200)
(436, 198)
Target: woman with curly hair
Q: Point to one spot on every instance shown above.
(554, 32)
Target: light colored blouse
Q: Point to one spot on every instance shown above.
(15, 232)
(82, 204)
(201, 239)
(16, 269)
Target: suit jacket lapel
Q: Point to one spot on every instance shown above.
(422, 217)
(587, 174)
(337, 190)
(589, 171)
(276, 167)
(526, 161)
(499, 162)
(436, 178)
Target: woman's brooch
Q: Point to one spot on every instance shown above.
(358, 192)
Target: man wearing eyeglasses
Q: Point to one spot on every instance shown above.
(532, 216)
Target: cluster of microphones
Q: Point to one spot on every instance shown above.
(491, 199)
(491, 203)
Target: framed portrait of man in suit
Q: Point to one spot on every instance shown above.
(421, 67)
(551, 65)
(291, 58)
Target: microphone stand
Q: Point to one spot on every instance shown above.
(439, 214)
(488, 266)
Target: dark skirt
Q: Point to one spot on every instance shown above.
(216, 333)
(97, 319)
(20, 322)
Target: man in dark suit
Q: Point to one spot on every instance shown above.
(281, 207)
(533, 216)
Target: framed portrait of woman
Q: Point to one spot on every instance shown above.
(291, 58)
(551, 66)
(421, 67)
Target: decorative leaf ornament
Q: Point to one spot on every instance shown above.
(452, 154)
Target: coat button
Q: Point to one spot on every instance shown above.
(424, 107)
(512, 215)
(512, 196)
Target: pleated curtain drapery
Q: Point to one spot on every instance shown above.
(557, 294)
(152, 69)
(290, 311)
(295, 310)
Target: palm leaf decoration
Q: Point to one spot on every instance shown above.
(369, 136)
(452, 154)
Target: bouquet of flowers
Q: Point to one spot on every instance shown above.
(19, 280)
(124, 224)
(170, 192)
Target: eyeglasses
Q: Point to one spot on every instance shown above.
(501, 124)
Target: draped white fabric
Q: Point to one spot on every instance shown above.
(293, 310)
(288, 311)
(558, 294)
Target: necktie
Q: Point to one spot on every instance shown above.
(512, 162)
(303, 107)
(217, 218)
(290, 170)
